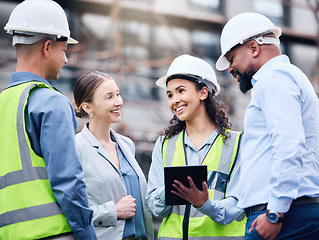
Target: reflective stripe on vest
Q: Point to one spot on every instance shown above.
(219, 161)
(26, 198)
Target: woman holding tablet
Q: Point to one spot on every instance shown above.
(198, 134)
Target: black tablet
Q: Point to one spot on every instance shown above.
(198, 173)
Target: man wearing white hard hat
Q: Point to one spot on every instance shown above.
(279, 154)
(42, 192)
(199, 134)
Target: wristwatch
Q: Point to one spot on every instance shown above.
(274, 217)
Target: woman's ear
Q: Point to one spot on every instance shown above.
(203, 93)
(86, 107)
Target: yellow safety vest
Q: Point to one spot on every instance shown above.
(219, 161)
(28, 207)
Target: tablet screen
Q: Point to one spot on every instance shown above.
(197, 172)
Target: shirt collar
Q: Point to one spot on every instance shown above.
(22, 77)
(209, 141)
(267, 65)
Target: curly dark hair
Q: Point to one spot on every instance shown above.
(215, 110)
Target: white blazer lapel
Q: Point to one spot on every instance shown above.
(96, 145)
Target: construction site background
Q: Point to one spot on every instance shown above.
(135, 41)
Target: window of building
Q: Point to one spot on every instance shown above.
(139, 89)
(206, 43)
(273, 9)
(207, 5)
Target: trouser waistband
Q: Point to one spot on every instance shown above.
(299, 201)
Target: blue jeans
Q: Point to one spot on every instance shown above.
(300, 222)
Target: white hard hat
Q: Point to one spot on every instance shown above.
(39, 17)
(241, 28)
(192, 66)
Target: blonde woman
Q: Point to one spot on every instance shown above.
(115, 183)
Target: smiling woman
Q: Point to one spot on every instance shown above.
(115, 183)
(198, 134)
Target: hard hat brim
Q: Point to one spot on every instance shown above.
(162, 82)
(222, 63)
(72, 41)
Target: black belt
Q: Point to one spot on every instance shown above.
(299, 201)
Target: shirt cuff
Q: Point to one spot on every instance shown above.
(209, 208)
(280, 205)
(86, 234)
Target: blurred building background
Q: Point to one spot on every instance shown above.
(135, 41)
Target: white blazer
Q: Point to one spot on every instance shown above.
(105, 184)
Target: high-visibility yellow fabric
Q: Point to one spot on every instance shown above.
(28, 206)
(200, 225)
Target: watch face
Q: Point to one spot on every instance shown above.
(273, 217)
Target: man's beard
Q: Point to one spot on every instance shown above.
(245, 79)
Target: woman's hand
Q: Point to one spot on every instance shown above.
(193, 195)
(126, 207)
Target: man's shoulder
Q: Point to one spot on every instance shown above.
(48, 100)
(45, 93)
(41, 94)
(285, 67)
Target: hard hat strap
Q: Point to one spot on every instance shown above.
(267, 40)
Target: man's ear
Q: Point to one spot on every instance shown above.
(203, 93)
(254, 48)
(47, 45)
